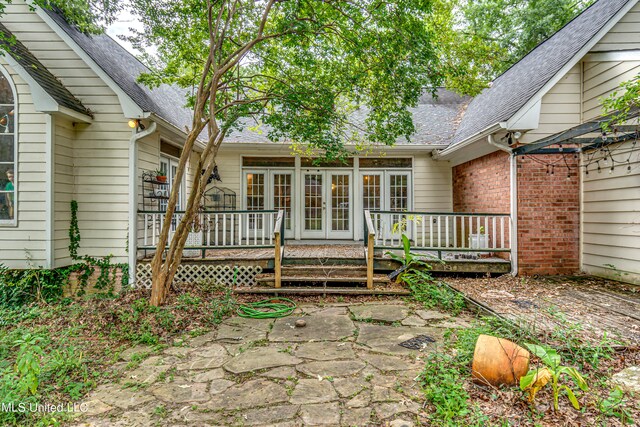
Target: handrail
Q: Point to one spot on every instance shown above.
(220, 229)
(213, 212)
(441, 213)
(278, 238)
(442, 232)
(370, 233)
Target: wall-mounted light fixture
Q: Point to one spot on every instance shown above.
(136, 124)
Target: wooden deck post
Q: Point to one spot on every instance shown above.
(279, 246)
(370, 235)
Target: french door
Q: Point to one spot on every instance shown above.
(387, 191)
(170, 167)
(327, 196)
(269, 190)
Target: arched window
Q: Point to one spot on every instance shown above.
(8, 151)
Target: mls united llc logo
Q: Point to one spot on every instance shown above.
(23, 407)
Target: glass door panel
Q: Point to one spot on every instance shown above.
(398, 201)
(340, 212)
(282, 196)
(255, 201)
(313, 191)
(372, 192)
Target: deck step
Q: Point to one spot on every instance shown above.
(322, 291)
(302, 277)
(325, 271)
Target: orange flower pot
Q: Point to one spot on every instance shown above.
(497, 361)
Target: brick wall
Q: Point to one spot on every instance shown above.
(549, 217)
(548, 206)
(482, 185)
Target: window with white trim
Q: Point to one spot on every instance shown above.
(8, 156)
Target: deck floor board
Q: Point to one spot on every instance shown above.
(597, 305)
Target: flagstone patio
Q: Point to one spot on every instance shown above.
(345, 367)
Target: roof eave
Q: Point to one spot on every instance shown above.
(42, 101)
(452, 150)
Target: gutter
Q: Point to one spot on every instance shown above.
(133, 197)
(443, 154)
(513, 201)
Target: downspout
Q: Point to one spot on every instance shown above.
(133, 197)
(513, 184)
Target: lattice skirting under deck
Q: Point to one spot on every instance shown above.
(193, 273)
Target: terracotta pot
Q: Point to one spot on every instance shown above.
(162, 178)
(498, 361)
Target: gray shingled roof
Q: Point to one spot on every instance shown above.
(40, 74)
(435, 119)
(167, 102)
(515, 87)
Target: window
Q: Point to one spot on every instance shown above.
(8, 165)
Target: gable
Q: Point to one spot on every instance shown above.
(515, 90)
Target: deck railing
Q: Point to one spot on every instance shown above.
(442, 231)
(214, 229)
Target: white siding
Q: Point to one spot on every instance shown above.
(623, 35)
(28, 238)
(63, 189)
(611, 219)
(602, 78)
(560, 107)
(432, 185)
(100, 150)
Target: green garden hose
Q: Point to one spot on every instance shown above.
(267, 309)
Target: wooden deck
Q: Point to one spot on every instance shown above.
(591, 306)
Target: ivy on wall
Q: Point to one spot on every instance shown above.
(19, 287)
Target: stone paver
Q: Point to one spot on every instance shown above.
(269, 415)
(325, 350)
(260, 358)
(138, 350)
(325, 325)
(250, 394)
(313, 391)
(333, 371)
(181, 393)
(321, 414)
(628, 379)
(432, 315)
(356, 417)
(386, 338)
(379, 312)
(332, 368)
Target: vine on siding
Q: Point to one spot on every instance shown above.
(20, 287)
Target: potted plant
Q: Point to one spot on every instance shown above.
(161, 176)
(479, 241)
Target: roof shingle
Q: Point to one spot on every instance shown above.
(40, 74)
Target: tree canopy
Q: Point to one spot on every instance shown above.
(477, 40)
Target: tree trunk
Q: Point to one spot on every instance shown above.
(163, 271)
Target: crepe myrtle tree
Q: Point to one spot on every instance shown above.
(298, 66)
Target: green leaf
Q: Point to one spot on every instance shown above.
(406, 244)
(575, 375)
(527, 379)
(548, 355)
(571, 396)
